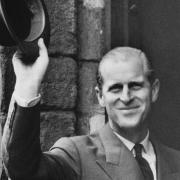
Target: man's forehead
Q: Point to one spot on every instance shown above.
(124, 53)
(113, 60)
(139, 78)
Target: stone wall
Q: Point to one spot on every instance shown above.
(79, 37)
(94, 41)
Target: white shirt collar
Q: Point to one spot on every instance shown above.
(126, 142)
(145, 142)
(148, 151)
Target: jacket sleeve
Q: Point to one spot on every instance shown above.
(22, 154)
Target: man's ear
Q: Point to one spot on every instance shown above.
(155, 89)
(99, 96)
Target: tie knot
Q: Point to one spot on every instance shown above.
(138, 150)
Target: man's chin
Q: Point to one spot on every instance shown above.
(129, 123)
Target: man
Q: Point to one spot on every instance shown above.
(121, 150)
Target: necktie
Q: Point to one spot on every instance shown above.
(143, 164)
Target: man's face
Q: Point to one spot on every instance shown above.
(126, 92)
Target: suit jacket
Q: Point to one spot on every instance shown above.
(98, 156)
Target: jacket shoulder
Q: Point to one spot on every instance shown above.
(170, 151)
(76, 143)
(169, 156)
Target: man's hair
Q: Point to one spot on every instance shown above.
(127, 51)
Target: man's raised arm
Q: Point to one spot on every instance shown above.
(21, 150)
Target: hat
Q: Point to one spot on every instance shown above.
(22, 23)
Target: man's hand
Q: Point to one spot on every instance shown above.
(29, 77)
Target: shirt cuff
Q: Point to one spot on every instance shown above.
(26, 102)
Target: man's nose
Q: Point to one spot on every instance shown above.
(125, 96)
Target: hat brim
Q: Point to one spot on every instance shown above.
(24, 27)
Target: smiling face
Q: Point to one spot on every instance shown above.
(126, 91)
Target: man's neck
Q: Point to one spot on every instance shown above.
(135, 135)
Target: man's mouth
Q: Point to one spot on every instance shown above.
(128, 108)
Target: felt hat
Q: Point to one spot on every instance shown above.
(22, 23)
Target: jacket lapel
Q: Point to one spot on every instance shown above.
(164, 169)
(119, 163)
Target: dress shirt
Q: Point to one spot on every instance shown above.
(148, 152)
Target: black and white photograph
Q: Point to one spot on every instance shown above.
(89, 90)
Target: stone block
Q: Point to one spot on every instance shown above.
(83, 126)
(59, 88)
(54, 125)
(91, 121)
(97, 119)
(63, 20)
(7, 77)
(91, 29)
(87, 103)
(96, 122)
(87, 82)
(2, 120)
(3, 117)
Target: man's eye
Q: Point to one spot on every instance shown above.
(136, 86)
(115, 90)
